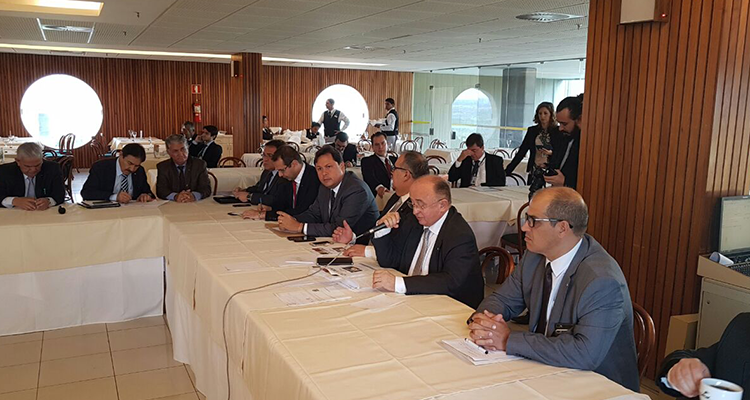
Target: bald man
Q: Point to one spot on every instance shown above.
(580, 312)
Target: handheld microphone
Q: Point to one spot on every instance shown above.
(61, 210)
(406, 207)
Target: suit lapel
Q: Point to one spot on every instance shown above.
(537, 287)
(435, 254)
(562, 292)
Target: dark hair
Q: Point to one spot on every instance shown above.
(342, 137)
(376, 134)
(328, 149)
(574, 104)
(567, 205)
(315, 125)
(135, 150)
(264, 117)
(287, 154)
(275, 143)
(551, 108)
(415, 163)
(390, 101)
(189, 125)
(474, 139)
(214, 131)
(332, 101)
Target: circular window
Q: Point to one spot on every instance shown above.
(472, 112)
(56, 105)
(350, 102)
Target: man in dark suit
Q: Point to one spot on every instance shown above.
(31, 183)
(728, 359)
(341, 197)
(377, 169)
(270, 186)
(267, 133)
(438, 255)
(182, 178)
(348, 151)
(565, 152)
(474, 167)
(208, 151)
(580, 312)
(299, 192)
(120, 179)
(312, 133)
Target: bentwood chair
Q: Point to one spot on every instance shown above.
(645, 336)
(216, 181)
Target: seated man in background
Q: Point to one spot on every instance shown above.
(267, 133)
(341, 197)
(300, 191)
(182, 178)
(410, 166)
(580, 312)
(120, 179)
(208, 150)
(31, 183)
(728, 359)
(312, 133)
(188, 130)
(475, 167)
(269, 186)
(348, 151)
(377, 169)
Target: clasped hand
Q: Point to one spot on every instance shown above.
(489, 330)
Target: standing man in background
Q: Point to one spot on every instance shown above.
(391, 123)
(331, 120)
(564, 159)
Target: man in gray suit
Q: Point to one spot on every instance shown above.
(182, 178)
(580, 312)
(341, 197)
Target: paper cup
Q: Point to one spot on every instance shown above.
(717, 389)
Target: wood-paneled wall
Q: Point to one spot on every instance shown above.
(246, 103)
(664, 137)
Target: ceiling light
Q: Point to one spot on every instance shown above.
(294, 60)
(368, 48)
(112, 51)
(67, 7)
(67, 28)
(546, 17)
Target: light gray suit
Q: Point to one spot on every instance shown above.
(593, 300)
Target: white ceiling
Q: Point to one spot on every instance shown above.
(408, 35)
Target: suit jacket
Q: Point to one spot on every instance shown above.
(49, 182)
(728, 359)
(559, 148)
(353, 203)
(494, 171)
(196, 177)
(454, 263)
(267, 134)
(593, 298)
(101, 181)
(529, 146)
(272, 193)
(211, 156)
(350, 153)
(307, 192)
(374, 172)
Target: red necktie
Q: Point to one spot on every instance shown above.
(388, 168)
(294, 194)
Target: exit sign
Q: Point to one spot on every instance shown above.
(195, 88)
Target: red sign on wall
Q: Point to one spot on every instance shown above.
(195, 88)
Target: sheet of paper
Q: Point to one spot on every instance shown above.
(245, 266)
(378, 303)
(150, 204)
(470, 352)
(312, 296)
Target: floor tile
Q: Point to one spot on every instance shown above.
(144, 359)
(69, 370)
(18, 377)
(22, 395)
(97, 389)
(154, 384)
(75, 331)
(140, 337)
(137, 323)
(19, 353)
(23, 338)
(75, 346)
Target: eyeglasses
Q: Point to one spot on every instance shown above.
(402, 169)
(418, 205)
(531, 220)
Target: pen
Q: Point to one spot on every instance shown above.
(477, 346)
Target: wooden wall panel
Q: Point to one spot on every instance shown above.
(666, 134)
(246, 103)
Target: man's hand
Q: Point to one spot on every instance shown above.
(489, 331)
(241, 195)
(264, 207)
(25, 203)
(686, 375)
(42, 204)
(464, 154)
(145, 198)
(390, 220)
(557, 180)
(381, 190)
(186, 196)
(358, 250)
(288, 223)
(545, 152)
(343, 234)
(123, 197)
(252, 214)
(384, 280)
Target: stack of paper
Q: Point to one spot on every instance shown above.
(468, 351)
(312, 296)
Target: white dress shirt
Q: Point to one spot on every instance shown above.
(298, 179)
(335, 193)
(390, 122)
(8, 201)
(342, 117)
(559, 266)
(482, 173)
(424, 269)
(118, 180)
(370, 250)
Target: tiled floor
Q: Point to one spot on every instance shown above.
(126, 361)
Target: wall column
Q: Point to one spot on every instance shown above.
(245, 98)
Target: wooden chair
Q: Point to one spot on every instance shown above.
(216, 181)
(504, 260)
(518, 179)
(66, 144)
(66, 165)
(436, 157)
(513, 152)
(259, 162)
(409, 145)
(293, 145)
(50, 154)
(392, 153)
(461, 145)
(434, 170)
(312, 149)
(502, 152)
(234, 161)
(304, 158)
(419, 141)
(645, 336)
(434, 143)
(515, 240)
(364, 145)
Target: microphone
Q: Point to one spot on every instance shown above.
(406, 207)
(61, 210)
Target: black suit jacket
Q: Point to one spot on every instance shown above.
(307, 192)
(267, 134)
(101, 181)
(529, 146)
(728, 359)
(454, 262)
(49, 182)
(559, 148)
(374, 172)
(350, 153)
(196, 176)
(211, 156)
(353, 203)
(494, 171)
(270, 194)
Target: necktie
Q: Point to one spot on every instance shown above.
(294, 194)
(418, 267)
(181, 181)
(541, 327)
(203, 151)
(124, 187)
(395, 205)
(30, 192)
(567, 153)
(474, 172)
(333, 200)
(388, 168)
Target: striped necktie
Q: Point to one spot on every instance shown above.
(418, 267)
(124, 187)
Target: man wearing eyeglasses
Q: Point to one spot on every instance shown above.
(580, 312)
(269, 187)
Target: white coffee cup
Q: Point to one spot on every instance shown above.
(717, 389)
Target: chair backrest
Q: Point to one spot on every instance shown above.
(461, 145)
(66, 165)
(234, 161)
(517, 179)
(437, 158)
(501, 152)
(364, 145)
(259, 162)
(419, 141)
(434, 170)
(50, 154)
(304, 157)
(392, 153)
(67, 143)
(645, 336)
(294, 145)
(312, 149)
(514, 152)
(434, 143)
(504, 261)
(97, 148)
(409, 145)
(519, 223)
(216, 182)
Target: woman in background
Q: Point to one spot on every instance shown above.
(538, 141)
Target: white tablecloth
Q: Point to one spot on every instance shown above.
(119, 142)
(228, 178)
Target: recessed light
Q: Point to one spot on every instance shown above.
(67, 28)
(366, 48)
(546, 17)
